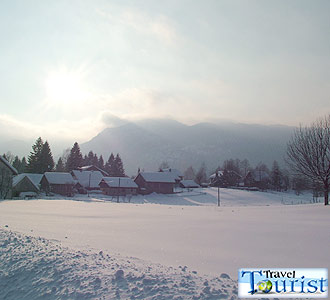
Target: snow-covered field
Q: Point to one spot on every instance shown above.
(209, 197)
(74, 249)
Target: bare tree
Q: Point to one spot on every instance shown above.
(200, 176)
(308, 153)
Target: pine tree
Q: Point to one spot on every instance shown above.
(60, 166)
(75, 158)
(23, 165)
(101, 162)
(34, 165)
(85, 161)
(109, 166)
(17, 164)
(90, 159)
(119, 167)
(95, 160)
(46, 159)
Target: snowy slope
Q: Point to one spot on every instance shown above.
(228, 197)
(36, 268)
(207, 239)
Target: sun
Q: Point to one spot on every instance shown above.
(65, 86)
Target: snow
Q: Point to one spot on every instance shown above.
(93, 168)
(120, 182)
(218, 173)
(59, 178)
(158, 177)
(34, 178)
(228, 197)
(37, 268)
(189, 184)
(157, 234)
(88, 179)
(177, 174)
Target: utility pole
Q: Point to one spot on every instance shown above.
(118, 191)
(89, 182)
(218, 196)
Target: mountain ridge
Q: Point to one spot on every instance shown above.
(147, 143)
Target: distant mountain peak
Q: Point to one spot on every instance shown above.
(147, 143)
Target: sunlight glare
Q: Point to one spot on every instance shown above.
(65, 86)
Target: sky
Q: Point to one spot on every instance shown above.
(72, 68)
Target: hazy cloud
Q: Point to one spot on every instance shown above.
(98, 64)
(110, 120)
(159, 26)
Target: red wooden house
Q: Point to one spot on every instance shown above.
(155, 182)
(118, 186)
(58, 183)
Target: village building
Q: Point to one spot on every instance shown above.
(58, 183)
(215, 178)
(26, 184)
(87, 180)
(118, 186)
(189, 184)
(93, 168)
(155, 182)
(178, 176)
(7, 171)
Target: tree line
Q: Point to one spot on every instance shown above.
(234, 172)
(308, 156)
(40, 160)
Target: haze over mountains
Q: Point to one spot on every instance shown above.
(147, 143)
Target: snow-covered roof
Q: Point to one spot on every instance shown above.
(93, 168)
(175, 172)
(158, 177)
(220, 173)
(125, 182)
(34, 178)
(88, 178)
(189, 184)
(8, 165)
(59, 178)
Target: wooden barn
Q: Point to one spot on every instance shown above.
(58, 183)
(155, 182)
(26, 183)
(7, 171)
(118, 186)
